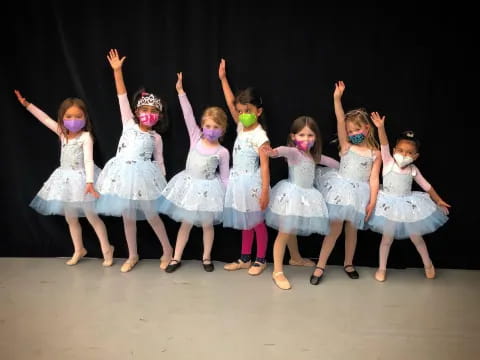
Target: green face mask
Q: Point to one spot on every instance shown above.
(247, 119)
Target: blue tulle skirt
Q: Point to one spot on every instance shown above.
(346, 199)
(193, 200)
(64, 194)
(403, 216)
(296, 210)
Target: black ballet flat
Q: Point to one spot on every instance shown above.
(315, 280)
(208, 267)
(351, 274)
(174, 265)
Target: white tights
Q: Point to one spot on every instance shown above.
(417, 241)
(130, 227)
(76, 231)
(182, 239)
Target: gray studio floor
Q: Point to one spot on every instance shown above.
(51, 311)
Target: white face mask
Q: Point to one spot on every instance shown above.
(401, 160)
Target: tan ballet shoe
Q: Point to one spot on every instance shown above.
(237, 265)
(257, 268)
(281, 281)
(380, 275)
(76, 257)
(301, 262)
(129, 265)
(430, 272)
(164, 261)
(108, 257)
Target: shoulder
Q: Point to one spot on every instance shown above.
(86, 136)
(223, 149)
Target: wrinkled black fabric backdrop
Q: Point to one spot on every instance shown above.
(411, 64)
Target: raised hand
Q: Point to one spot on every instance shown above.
(222, 72)
(21, 99)
(114, 59)
(179, 84)
(339, 89)
(377, 120)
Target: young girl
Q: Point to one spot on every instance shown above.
(401, 213)
(351, 192)
(296, 207)
(195, 196)
(69, 191)
(247, 193)
(131, 183)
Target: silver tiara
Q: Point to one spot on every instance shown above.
(150, 100)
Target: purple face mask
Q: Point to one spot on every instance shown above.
(212, 134)
(148, 119)
(74, 125)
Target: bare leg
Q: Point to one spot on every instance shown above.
(278, 255)
(327, 246)
(350, 243)
(295, 257)
(208, 236)
(182, 239)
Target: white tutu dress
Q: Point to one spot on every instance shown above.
(296, 206)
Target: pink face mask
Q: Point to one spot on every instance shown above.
(148, 119)
(304, 145)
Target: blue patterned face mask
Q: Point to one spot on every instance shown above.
(356, 138)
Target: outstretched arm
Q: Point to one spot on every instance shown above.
(425, 185)
(329, 162)
(435, 197)
(116, 63)
(379, 122)
(340, 115)
(193, 130)
(227, 91)
(39, 114)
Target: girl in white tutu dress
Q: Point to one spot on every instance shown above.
(296, 207)
(247, 194)
(131, 183)
(401, 213)
(195, 196)
(69, 191)
(350, 192)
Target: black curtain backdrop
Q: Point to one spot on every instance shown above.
(411, 64)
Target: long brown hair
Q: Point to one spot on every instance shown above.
(67, 104)
(298, 124)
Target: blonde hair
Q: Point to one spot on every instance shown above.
(360, 117)
(218, 115)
